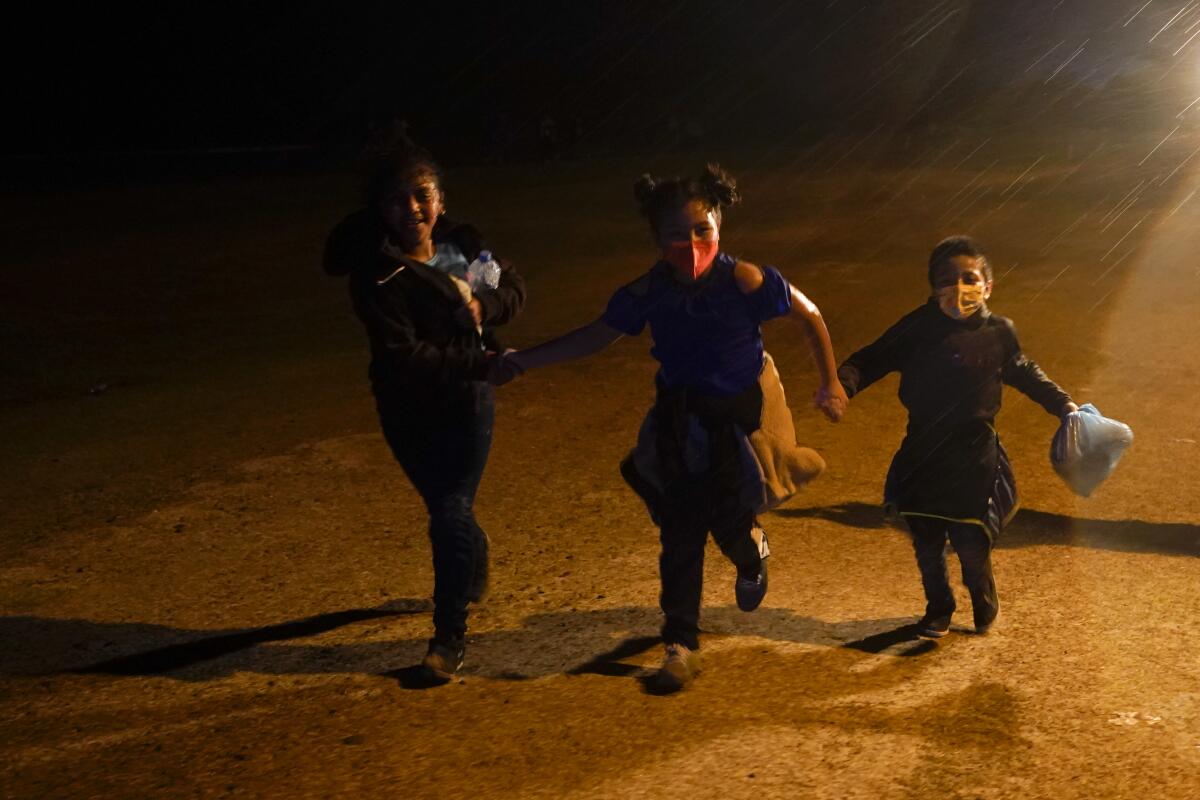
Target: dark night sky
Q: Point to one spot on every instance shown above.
(198, 75)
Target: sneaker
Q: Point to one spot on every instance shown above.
(750, 590)
(981, 628)
(933, 627)
(678, 669)
(442, 661)
(477, 591)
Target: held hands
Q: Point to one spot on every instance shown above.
(832, 400)
(1069, 408)
(504, 367)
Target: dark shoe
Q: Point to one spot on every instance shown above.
(751, 589)
(985, 625)
(477, 591)
(442, 661)
(680, 666)
(933, 627)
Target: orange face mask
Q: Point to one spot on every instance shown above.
(962, 300)
(690, 259)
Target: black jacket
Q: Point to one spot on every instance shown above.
(952, 374)
(418, 350)
(951, 371)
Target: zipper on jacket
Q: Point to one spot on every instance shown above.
(382, 281)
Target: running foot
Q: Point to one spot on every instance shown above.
(442, 662)
(680, 666)
(751, 589)
(933, 627)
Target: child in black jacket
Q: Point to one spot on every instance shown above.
(431, 347)
(951, 477)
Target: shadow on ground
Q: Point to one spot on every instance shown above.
(611, 642)
(568, 642)
(1031, 527)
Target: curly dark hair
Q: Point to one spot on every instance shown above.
(385, 164)
(953, 246)
(714, 187)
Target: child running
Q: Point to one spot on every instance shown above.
(430, 342)
(718, 445)
(951, 477)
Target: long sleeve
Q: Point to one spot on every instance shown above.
(877, 359)
(502, 304)
(1028, 378)
(394, 339)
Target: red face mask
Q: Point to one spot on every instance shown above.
(690, 260)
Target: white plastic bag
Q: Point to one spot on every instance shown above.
(1086, 448)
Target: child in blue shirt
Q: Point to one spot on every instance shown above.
(715, 387)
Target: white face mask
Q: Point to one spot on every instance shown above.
(961, 301)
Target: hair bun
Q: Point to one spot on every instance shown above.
(713, 187)
(719, 185)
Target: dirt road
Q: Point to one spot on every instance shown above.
(213, 577)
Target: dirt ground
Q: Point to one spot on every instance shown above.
(213, 578)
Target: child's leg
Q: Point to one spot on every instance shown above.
(445, 459)
(732, 535)
(736, 537)
(681, 569)
(929, 545)
(975, 555)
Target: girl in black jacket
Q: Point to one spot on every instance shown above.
(951, 478)
(431, 344)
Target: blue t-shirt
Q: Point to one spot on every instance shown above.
(449, 258)
(706, 336)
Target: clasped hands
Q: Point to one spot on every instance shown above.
(832, 400)
(504, 367)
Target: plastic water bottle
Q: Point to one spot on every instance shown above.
(483, 272)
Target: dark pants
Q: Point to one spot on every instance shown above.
(690, 506)
(443, 449)
(974, 550)
(683, 533)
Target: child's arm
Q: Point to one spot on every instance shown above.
(1028, 378)
(394, 337)
(624, 316)
(500, 305)
(878, 358)
(830, 397)
(578, 343)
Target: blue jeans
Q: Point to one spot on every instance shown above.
(443, 449)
